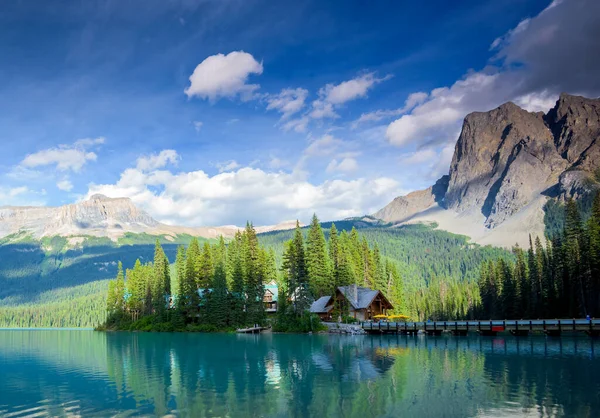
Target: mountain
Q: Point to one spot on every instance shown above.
(101, 216)
(507, 164)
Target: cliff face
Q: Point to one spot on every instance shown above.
(403, 208)
(507, 159)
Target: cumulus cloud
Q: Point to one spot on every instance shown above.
(533, 63)
(196, 198)
(345, 165)
(197, 125)
(64, 157)
(225, 76)
(65, 185)
(287, 102)
(155, 161)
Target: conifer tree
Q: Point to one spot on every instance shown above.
(317, 261)
(237, 283)
(295, 272)
(219, 308)
(254, 273)
(160, 280)
(205, 270)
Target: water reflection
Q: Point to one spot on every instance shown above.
(62, 373)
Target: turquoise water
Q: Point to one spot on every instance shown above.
(86, 373)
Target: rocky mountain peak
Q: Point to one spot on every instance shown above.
(508, 161)
(99, 197)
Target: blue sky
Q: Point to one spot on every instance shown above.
(215, 112)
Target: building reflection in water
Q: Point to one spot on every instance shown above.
(298, 375)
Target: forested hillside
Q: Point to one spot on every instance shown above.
(421, 252)
(558, 278)
(61, 282)
(41, 281)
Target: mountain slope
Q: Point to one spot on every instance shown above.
(101, 216)
(507, 163)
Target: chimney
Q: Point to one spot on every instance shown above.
(355, 295)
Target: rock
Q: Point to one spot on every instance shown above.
(507, 159)
(101, 216)
(404, 207)
(575, 122)
(502, 158)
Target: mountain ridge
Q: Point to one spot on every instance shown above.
(102, 216)
(507, 164)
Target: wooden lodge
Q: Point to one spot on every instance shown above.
(361, 303)
(271, 297)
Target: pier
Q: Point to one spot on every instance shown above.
(552, 327)
(252, 330)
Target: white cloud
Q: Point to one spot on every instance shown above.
(155, 161)
(227, 166)
(197, 125)
(195, 198)
(537, 101)
(19, 196)
(322, 109)
(351, 89)
(296, 125)
(288, 101)
(323, 146)
(64, 157)
(413, 100)
(224, 76)
(427, 155)
(536, 61)
(277, 163)
(345, 165)
(65, 185)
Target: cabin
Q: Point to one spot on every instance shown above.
(323, 308)
(361, 303)
(270, 297)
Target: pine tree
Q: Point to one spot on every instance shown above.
(219, 312)
(238, 304)
(253, 271)
(161, 279)
(594, 256)
(572, 241)
(317, 261)
(192, 272)
(205, 268)
(522, 285)
(534, 281)
(295, 272)
(508, 289)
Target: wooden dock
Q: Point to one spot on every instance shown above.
(253, 330)
(552, 327)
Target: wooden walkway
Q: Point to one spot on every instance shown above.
(516, 327)
(253, 330)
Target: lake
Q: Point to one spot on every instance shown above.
(69, 373)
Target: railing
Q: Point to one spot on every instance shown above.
(548, 325)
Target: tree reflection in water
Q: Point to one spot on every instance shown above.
(296, 375)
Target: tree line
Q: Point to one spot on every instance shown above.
(221, 286)
(316, 267)
(216, 286)
(560, 279)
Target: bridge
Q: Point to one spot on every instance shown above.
(553, 327)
